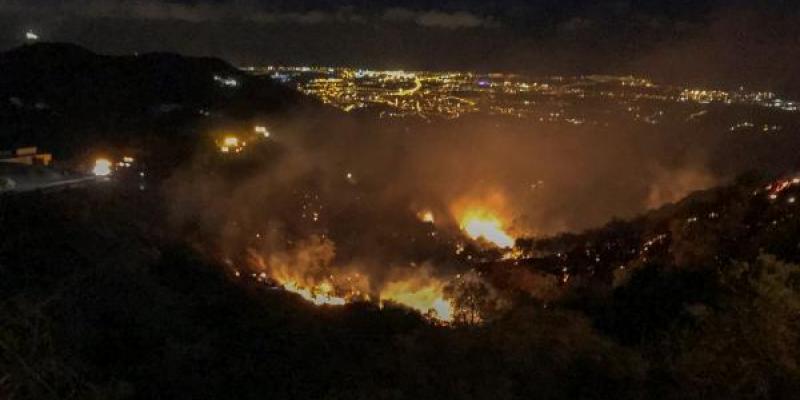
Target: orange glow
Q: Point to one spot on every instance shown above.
(426, 216)
(300, 273)
(423, 295)
(479, 223)
(483, 217)
(319, 295)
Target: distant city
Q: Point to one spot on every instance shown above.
(433, 95)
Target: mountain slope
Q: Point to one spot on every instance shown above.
(62, 96)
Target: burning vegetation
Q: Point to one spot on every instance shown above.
(341, 222)
(308, 270)
(481, 224)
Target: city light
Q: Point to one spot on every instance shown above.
(232, 144)
(449, 95)
(231, 141)
(262, 130)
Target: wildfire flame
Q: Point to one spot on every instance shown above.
(319, 295)
(479, 223)
(296, 274)
(425, 297)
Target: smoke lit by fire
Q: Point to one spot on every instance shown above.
(344, 220)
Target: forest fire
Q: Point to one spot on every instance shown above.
(307, 274)
(423, 295)
(319, 295)
(479, 223)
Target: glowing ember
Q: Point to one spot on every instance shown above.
(102, 167)
(482, 224)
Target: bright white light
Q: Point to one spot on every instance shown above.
(31, 36)
(226, 81)
(102, 167)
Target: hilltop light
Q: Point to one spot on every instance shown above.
(226, 81)
(30, 35)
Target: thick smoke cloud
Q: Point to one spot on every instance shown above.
(363, 186)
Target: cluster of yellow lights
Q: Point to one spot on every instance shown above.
(232, 144)
(126, 162)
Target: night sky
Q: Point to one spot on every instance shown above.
(710, 41)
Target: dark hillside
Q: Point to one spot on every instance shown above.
(64, 98)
